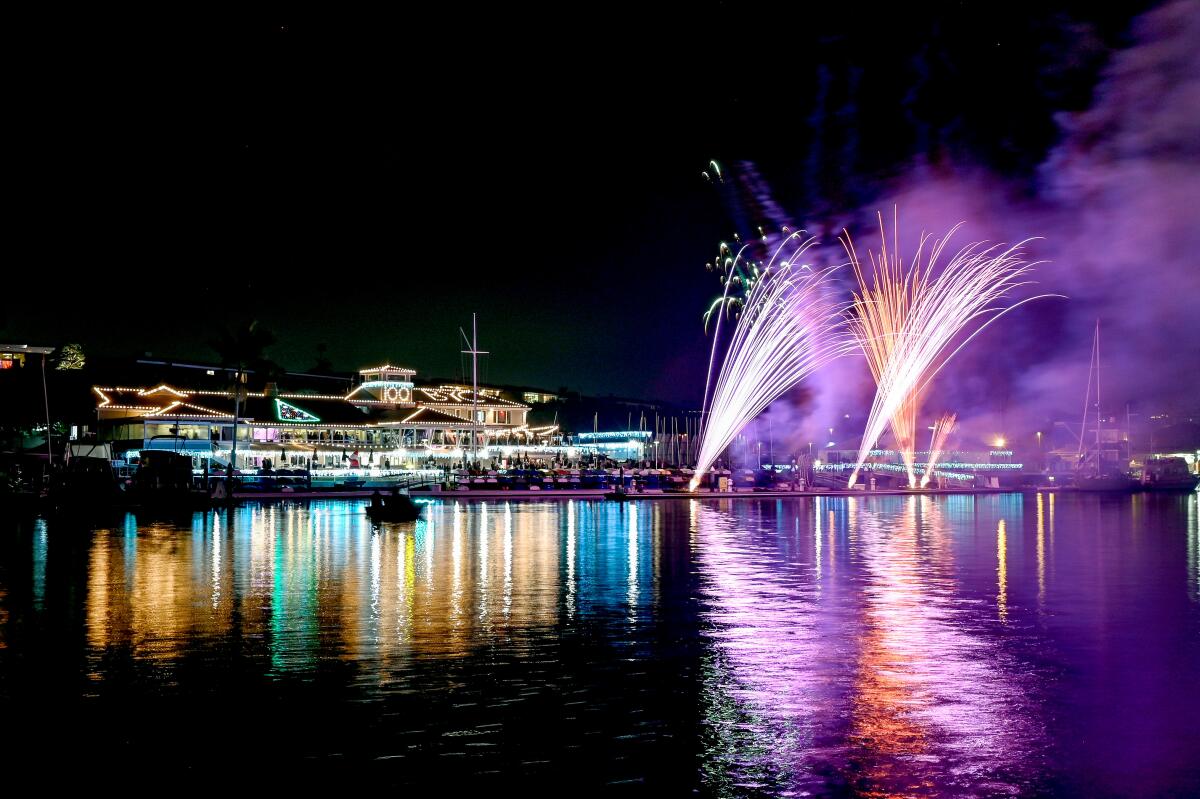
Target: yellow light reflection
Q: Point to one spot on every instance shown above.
(302, 580)
(817, 538)
(1193, 538)
(508, 562)
(633, 561)
(1002, 571)
(570, 598)
(1041, 553)
(456, 561)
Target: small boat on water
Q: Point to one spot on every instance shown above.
(394, 508)
(619, 495)
(87, 483)
(1168, 474)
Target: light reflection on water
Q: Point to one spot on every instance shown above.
(874, 646)
(1193, 537)
(856, 649)
(322, 579)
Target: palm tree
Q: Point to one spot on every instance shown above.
(242, 348)
(323, 365)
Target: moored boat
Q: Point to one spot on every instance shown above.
(1168, 474)
(394, 508)
(1107, 483)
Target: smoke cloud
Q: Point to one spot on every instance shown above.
(1116, 207)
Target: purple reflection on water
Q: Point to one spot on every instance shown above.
(949, 646)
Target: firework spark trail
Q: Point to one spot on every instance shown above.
(881, 314)
(906, 322)
(788, 328)
(942, 429)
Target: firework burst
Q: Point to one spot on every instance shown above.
(787, 328)
(738, 275)
(906, 322)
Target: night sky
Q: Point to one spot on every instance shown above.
(368, 185)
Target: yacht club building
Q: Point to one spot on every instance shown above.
(386, 420)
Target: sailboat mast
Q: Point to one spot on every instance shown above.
(1097, 397)
(475, 352)
(1081, 454)
(474, 389)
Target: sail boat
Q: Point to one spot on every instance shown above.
(1089, 475)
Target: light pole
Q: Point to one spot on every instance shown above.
(46, 403)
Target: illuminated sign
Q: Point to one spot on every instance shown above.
(398, 391)
(286, 412)
(614, 436)
(397, 394)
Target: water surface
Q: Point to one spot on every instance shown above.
(1002, 645)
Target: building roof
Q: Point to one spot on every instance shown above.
(289, 408)
(26, 348)
(440, 396)
(292, 409)
(387, 368)
(419, 416)
(163, 400)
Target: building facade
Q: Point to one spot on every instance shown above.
(386, 420)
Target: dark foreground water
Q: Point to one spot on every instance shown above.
(886, 646)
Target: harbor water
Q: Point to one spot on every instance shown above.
(993, 645)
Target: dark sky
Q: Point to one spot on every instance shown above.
(369, 184)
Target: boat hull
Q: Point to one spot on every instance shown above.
(1107, 484)
(396, 509)
(1174, 486)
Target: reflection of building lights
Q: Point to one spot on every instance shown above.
(1002, 570)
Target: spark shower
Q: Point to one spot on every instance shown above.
(787, 327)
(908, 321)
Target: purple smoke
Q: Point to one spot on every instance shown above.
(1117, 207)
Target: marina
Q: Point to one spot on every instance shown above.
(718, 402)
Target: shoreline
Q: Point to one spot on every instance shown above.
(598, 494)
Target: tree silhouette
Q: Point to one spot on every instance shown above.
(69, 356)
(243, 348)
(323, 366)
